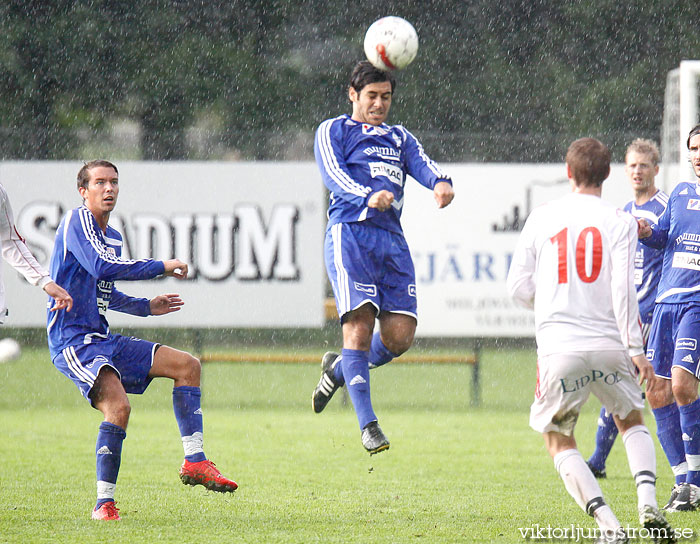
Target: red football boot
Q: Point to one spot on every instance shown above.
(107, 512)
(205, 473)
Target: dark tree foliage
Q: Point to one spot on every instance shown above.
(494, 81)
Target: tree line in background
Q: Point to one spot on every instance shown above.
(511, 81)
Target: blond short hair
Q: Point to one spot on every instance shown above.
(645, 147)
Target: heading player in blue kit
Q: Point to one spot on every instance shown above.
(105, 366)
(675, 331)
(641, 167)
(364, 164)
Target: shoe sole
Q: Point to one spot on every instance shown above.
(659, 523)
(680, 508)
(211, 486)
(380, 449)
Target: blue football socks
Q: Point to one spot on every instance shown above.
(108, 451)
(604, 440)
(379, 354)
(690, 424)
(188, 413)
(668, 430)
(356, 373)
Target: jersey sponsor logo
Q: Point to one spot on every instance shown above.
(100, 359)
(397, 139)
(688, 359)
(687, 343)
(693, 204)
(689, 261)
(390, 171)
(368, 288)
(104, 295)
(650, 354)
(387, 153)
(411, 289)
(371, 130)
(569, 385)
(687, 237)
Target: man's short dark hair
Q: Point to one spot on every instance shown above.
(693, 132)
(365, 73)
(589, 162)
(84, 172)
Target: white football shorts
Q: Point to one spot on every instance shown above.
(565, 380)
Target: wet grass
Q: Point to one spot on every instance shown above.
(454, 473)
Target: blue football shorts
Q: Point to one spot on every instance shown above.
(673, 341)
(131, 357)
(365, 264)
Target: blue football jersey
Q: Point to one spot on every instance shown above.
(678, 234)
(648, 261)
(86, 262)
(357, 159)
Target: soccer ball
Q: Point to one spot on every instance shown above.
(9, 350)
(391, 43)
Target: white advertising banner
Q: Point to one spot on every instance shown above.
(252, 234)
(462, 253)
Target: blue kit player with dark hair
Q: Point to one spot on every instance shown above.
(641, 167)
(364, 164)
(675, 331)
(104, 366)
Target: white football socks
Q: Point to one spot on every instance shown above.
(641, 457)
(582, 486)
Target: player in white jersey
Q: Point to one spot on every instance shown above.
(574, 265)
(641, 167)
(673, 343)
(17, 254)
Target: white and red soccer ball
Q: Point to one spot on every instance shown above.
(391, 43)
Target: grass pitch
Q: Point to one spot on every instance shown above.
(454, 473)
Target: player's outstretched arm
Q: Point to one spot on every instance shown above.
(60, 295)
(165, 304)
(444, 193)
(175, 268)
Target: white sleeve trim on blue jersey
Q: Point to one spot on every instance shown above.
(331, 165)
(430, 163)
(645, 214)
(66, 223)
(92, 237)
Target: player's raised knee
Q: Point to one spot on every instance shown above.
(193, 367)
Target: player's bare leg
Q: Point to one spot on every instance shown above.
(579, 480)
(397, 331)
(108, 396)
(185, 371)
(395, 336)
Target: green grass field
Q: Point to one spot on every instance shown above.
(454, 473)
